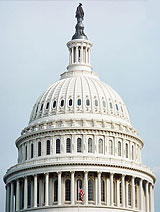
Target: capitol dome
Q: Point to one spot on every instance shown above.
(83, 94)
(79, 151)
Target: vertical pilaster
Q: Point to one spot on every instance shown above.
(133, 192)
(152, 194)
(7, 197)
(86, 186)
(35, 191)
(59, 187)
(147, 198)
(82, 60)
(17, 195)
(25, 192)
(46, 188)
(108, 190)
(111, 189)
(123, 191)
(118, 192)
(99, 188)
(72, 188)
(11, 198)
(96, 191)
(141, 194)
(76, 54)
(126, 194)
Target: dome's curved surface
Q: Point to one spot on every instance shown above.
(81, 95)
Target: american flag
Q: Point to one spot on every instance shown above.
(81, 194)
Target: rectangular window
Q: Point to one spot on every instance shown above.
(31, 150)
(48, 147)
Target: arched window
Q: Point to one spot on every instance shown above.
(32, 150)
(48, 147)
(116, 106)
(104, 103)
(90, 190)
(79, 186)
(68, 145)
(132, 152)
(100, 146)
(54, 104)
(68, 190)
(47, 106)
(110, 147)
(62, 102)
(39, 148)
(102, 191)
(90, 145)
(70, 102)
(55, 190)
(58, 148)
(110, 104)
(78, 102)
(119, 148)
(41, 107)
(126, 150)
(87, 102)
(129, 194)
(26, 152)
(79, 145)
(96, 102)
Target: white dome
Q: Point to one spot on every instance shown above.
(80, 93)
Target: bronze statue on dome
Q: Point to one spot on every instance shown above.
(79, 13)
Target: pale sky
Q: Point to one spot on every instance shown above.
(126, 55)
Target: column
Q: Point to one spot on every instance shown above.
(123, 191)
(99, 188)
(89, 51)
(25, 192)
(59, 187)
(133, 192)
(118, 192)
(17, 195)
(147, 198)
(32, 193)
(46, 188)
(72, 57)
(7, 198)
(86, 55)
(96, 191)
(35, 191)
(126, 194)
(11, 200)
(141, 194)
(111, 189)
(72, 188)
(108, 191)
(76, 54)
(86, 186)
(152, 194)
(82, 54)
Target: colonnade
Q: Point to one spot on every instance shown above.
(79, 54)
(100, 188)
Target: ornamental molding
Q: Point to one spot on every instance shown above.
(13, 171)
(60, 132)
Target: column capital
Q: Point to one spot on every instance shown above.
(46, 173)
(59, 172)
(72, 172)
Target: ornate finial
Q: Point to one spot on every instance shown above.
(79, 34)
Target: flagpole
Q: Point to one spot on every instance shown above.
(78, 195)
